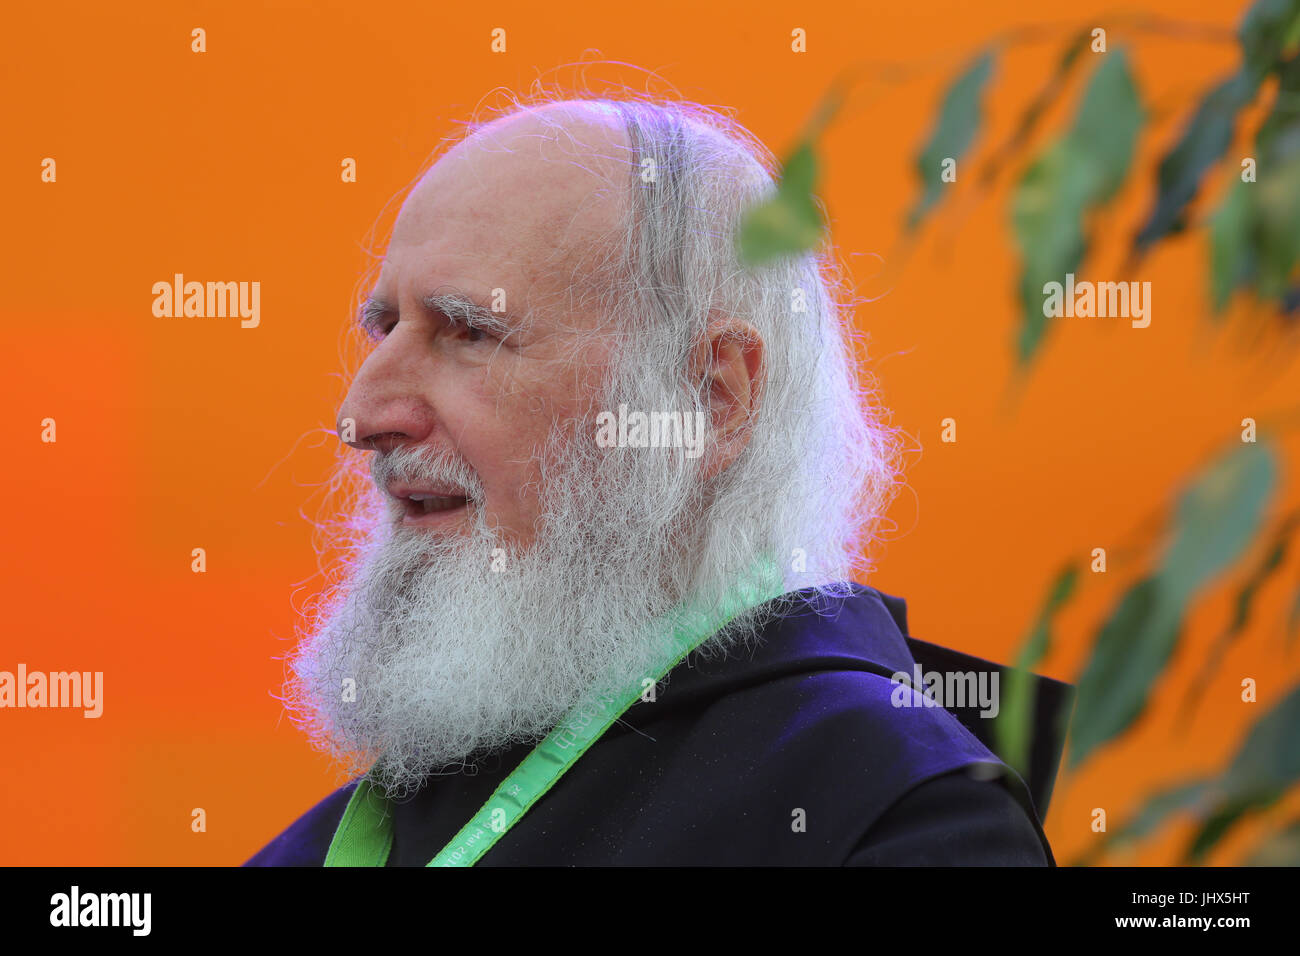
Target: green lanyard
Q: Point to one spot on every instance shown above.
(365, 834)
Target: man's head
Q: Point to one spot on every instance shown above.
(567, 261)
(511, 217)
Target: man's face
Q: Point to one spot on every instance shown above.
(515, 209)
(448, 651)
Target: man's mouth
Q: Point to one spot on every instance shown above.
(417, 504)
(422, 506)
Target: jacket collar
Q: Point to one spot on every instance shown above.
(855, 630)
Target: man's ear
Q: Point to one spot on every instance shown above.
(728, 361)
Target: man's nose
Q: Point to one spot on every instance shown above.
(385, 406)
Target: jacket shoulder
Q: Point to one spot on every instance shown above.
(956, 819)
(871, 721)
(947, 790)
(307, 839)
(906, 774)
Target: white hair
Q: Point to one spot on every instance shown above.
(450, 659)
(819, 469)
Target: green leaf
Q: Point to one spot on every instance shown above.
(1255, 232)
(1107, 126)
(1203, 141)
(1269, 760)
(1259, 577)
(1218, 516)
(1278, 235)
(1265, 31)
(1275, 236)
(1278, 849)
(1268, 28)
(789, 223)
(959, 119)
(1131, 650)
(1265, 767)
(1225, 816)
(1183, 796)
(1231, 245)
(1152, 815)
(1275, 139)
(1029, 118)
(1014, 717)
(1047, 219)
(1075, 174)
(1036, 647)
(800, 173)
(1273, 559)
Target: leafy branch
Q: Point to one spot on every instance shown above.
(1254, 245)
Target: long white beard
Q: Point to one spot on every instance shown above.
(456, 649)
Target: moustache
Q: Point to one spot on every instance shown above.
(435, 471)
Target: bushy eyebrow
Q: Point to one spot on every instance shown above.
(455, 306)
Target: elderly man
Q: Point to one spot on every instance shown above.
(599, 608)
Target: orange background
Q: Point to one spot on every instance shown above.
(183, 433)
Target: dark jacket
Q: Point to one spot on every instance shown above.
(791, 754)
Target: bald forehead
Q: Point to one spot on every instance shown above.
(591, 135)
(538, 189)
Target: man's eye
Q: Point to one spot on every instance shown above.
(474, 333)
